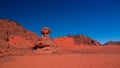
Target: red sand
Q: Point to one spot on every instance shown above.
(89, 57)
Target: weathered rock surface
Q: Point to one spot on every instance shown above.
(112, 43)
(71, 40)
(14, 34)
(45, 41)
(15, 39)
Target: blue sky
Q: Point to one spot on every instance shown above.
(99, 19)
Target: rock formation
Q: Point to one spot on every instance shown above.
(82, 39)
(44, 40)
(71, 40)
(112, 43)
(45, 31)
(13, 35)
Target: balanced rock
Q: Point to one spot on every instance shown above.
(44, 40)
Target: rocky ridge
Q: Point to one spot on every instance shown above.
(13, 33)
(72, 40)
(112, 43)
(13, 36)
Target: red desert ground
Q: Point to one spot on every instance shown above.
(21, 48)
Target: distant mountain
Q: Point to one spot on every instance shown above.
(112, 43)
(72, 40)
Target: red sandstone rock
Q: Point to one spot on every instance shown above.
(72, 40)
(20, 42)
(45, 31)
(112, 43)
(14, 34)
(45, 40)
(64, 41)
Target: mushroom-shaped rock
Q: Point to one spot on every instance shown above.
(45, 31)
(45, 40)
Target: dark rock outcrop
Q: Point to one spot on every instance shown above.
(82, 39)
(112, 43)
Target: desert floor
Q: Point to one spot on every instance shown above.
(72, 57)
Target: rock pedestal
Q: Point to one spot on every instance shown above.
(45, 40)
